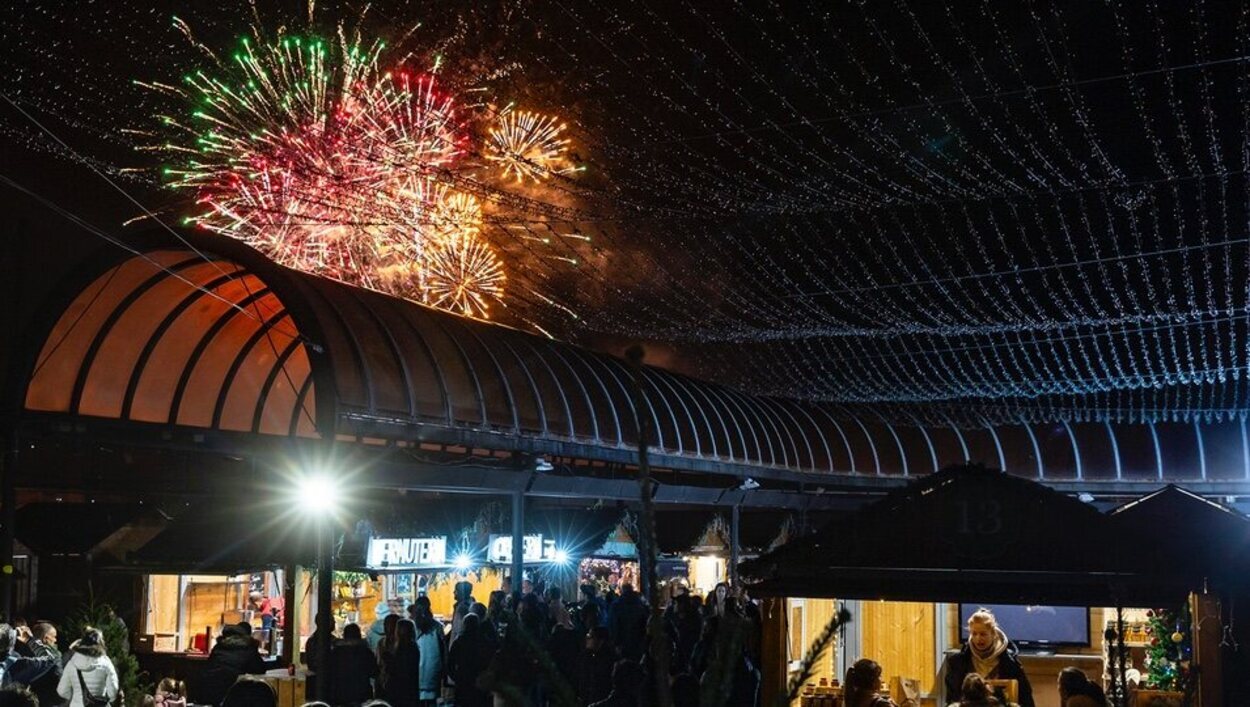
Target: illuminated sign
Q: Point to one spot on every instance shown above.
(407, 553)
(534, 549)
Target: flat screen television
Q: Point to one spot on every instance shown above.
(1035, 626)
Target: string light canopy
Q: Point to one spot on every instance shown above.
(944, 212)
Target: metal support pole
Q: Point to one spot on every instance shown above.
(290, 614)
(734, 520)
(518, 545)
(325, 617)
(8, 517)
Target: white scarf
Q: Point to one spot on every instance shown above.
(986, 663)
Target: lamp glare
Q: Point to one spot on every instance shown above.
(318, 494)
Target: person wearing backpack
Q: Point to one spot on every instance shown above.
(89, 679)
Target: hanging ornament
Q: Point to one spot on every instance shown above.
(1177, 637)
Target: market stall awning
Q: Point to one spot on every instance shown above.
(968, 533)
(227, 538)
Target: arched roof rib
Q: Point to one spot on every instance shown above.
(207, 333)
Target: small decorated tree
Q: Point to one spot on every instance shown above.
(1169, 657)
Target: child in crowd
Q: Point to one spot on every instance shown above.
(170, 692)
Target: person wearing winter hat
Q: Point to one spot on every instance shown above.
(89, 676)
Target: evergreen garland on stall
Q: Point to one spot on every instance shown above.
(1169, 657)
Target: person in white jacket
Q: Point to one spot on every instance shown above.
(98, 674)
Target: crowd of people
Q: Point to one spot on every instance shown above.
(34, 671)
(596, 651)
(597, 646)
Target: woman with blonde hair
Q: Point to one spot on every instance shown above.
(987, 653)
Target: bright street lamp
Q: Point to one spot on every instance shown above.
(317, 497)
(318, 494)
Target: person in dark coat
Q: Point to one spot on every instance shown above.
(43, 643)
(234, 655)
(701, 653)
(353, 667)
(18, 669)
(400, 680)
(594, 667)
(989, 654)
(467, 658)
(564, 647)
(688, 625)
(627, 686)
(250, 691)
(627, 621)
(1077, 690)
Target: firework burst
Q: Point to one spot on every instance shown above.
(328, 164)
(464, 276)
(527, 144)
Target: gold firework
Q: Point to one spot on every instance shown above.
(527, 144)
(463, 275)
(457, 213)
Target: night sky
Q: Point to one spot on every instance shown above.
(961, 211)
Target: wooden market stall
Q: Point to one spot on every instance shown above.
(978, 535)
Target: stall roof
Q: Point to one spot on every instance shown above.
(976, 534)
(1185, 533)
(73, 528)
(196, 333)
(203, 332)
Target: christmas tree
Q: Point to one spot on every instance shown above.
(1169, 657)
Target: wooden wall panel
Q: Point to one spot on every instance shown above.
(900, 636)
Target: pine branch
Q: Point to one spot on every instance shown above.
(808, 667)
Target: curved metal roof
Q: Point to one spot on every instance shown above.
(207, 333)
